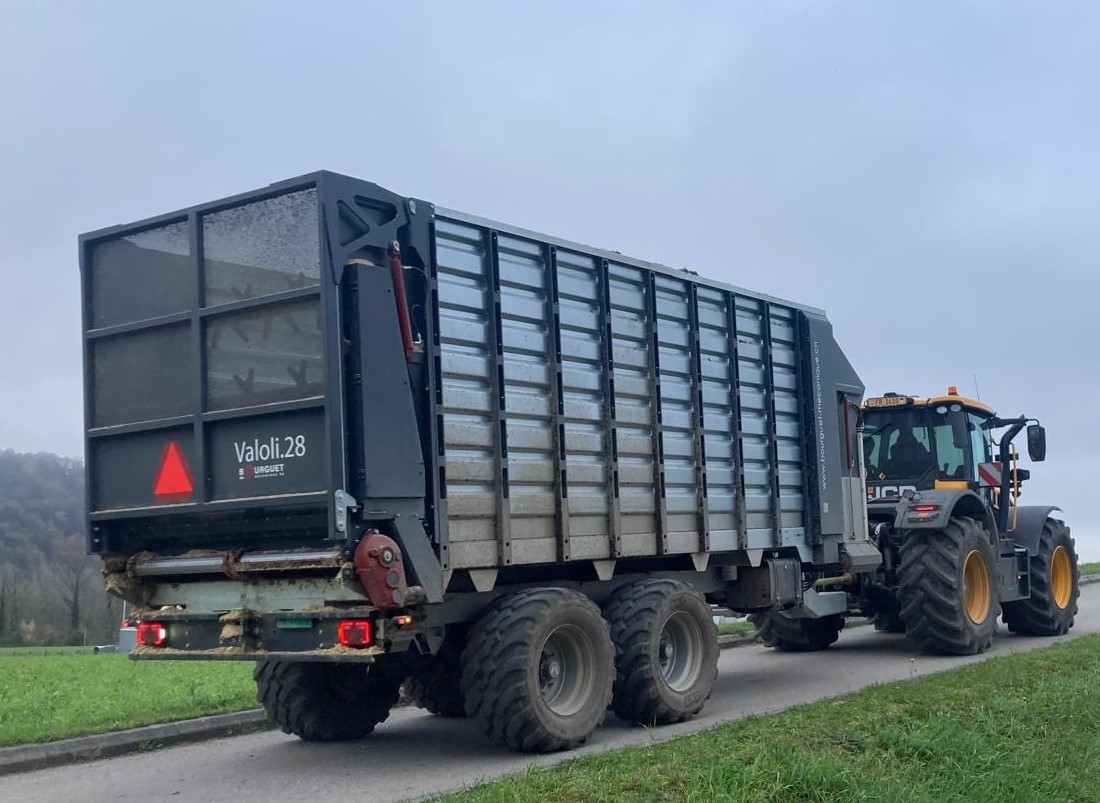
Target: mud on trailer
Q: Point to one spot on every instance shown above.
(361, 441)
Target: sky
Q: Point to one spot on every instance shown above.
(926, 172)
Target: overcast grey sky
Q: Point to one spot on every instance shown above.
(928, 173)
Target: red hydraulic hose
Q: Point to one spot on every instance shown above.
(397, 275)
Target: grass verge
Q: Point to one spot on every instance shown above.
(63, 695)
(1089, 568)
(24, 652)
(1016, 729)
(734, 628)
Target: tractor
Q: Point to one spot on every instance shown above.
(943, 485)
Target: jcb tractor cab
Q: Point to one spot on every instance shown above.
(942, 443)
(943, 485)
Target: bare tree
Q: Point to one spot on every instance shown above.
(69, 563)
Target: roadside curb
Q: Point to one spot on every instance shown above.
(87, 748)
(736, 640)
(1088, 579)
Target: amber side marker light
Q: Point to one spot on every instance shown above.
(354, 633)
(152, 634)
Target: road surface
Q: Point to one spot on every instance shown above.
(414, 754)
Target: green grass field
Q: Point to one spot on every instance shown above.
(1089, 568)
(1016, 729)
(67, 693)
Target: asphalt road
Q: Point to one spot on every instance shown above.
(414, 754)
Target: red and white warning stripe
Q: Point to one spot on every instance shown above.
(989, 475)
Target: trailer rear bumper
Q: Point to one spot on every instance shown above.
(299, 635)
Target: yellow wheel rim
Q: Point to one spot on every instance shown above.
(1061, 577)
(977, 598)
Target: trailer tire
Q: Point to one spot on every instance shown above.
(666, 651)
(888, 622)
(325, 702)
(797, 635)
(1054, 587)
(538, 669)
(435, 684)
(947, 588)
(880, 606)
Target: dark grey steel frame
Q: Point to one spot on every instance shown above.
(331, 190)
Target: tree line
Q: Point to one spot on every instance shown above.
(51, 590)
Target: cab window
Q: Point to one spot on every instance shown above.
(913, 443)
(979, 443)
(951, 443)
(896, 444)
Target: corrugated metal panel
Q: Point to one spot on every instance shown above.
(468, 384)
(594, 408)
(589, 482)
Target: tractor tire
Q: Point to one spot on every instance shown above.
(797, 635)
(947, 588)
(666, 651)
(1054, 587)
(325, 702)
(435, 684)
(538, 669)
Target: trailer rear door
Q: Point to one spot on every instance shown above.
(209, 383)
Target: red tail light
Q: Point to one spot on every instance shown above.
(354, 633)
(152, 634)
(924, 508)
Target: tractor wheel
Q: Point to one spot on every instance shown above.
(537, 670)
(326, 702)
(666, 648)
(797, 635)
(947, 591)
(1054, 587)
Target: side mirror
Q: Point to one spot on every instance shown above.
(1036, 443)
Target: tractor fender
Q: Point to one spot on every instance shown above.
(953, 503)
(1029, 526)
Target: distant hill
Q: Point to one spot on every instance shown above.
(41, 503)
(50, 590)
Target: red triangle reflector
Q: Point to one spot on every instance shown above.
(173, 479)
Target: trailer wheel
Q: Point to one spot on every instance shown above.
(537, 670)
(880, 606)
(1054, 587)
(435, 684)
(325, 702)
(666, 648)
(948, 595)
(888, 622)
(797, 635)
